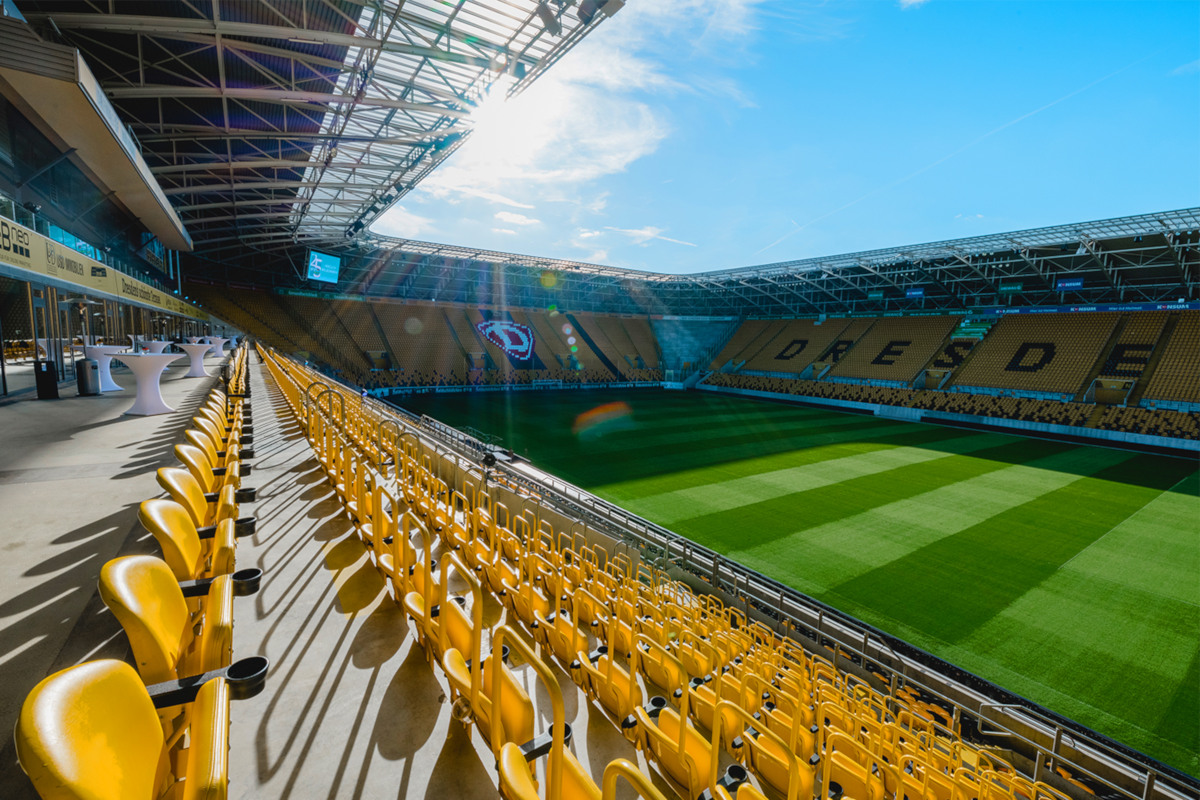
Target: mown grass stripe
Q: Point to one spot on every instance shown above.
(670, 507)
(949, 588)
(818, 558)
(1128, 651)
(1181, 720)
(1155, 549)
(796, 452)
(779, 517)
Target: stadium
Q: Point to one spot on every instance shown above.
(298, 506)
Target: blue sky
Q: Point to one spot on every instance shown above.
(689, 135)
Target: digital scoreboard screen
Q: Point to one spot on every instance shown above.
(323, 267)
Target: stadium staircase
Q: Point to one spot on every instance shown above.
(594, 347)
(458, 333)
(1105, 352)
(692, 342)
(387, 343)
(1160, 347)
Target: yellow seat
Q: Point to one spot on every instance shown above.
(216, 456)
(560, 635)
(672, 741)
(621, 768)
(187, 491)
(565, 777)
(90, 732)
(609, 684)
(167, 641)
(184, 551)
(205, 472)
(847, 763)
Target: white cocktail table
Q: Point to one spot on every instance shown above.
(156, 347)
(103, 354)
(218, 346)
(196, 352)
(194, 339)
(148, 369)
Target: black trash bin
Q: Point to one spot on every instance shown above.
(46, 375)
(87, 376)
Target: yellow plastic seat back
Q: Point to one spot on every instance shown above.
(175, 533)
(185, 491)
(145, 598)
(199, 439)
(206, 425)
(198, 464)
(91, 731)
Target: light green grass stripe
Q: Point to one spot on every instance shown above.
(830, 554)
(1123, 649)
(668, 508)
(1156, 550)
(741, 460)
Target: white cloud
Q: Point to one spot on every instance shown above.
(505, 231)
(644, 236)
(594, 114)
(399, 221)
(447, 192)
(584, 233)
(516, 219)
(912, 3)
(1188, 68)
(586, 118)
(598, 257)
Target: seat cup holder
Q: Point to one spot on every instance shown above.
(504, 651)
(247, 677)
(602, 649)
(735, 775)
(246, 581)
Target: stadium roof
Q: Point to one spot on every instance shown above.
(1146, 258)
(273, 122)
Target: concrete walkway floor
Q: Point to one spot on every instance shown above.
(352, 708)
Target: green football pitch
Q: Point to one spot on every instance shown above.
(1068, 574)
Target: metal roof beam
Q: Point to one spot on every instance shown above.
(170, 27)
(1178, 259)
(274, 96)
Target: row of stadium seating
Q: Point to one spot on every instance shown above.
(427, 344)
(1051, 353)
(690, 682)
(102, 729)
(430, 344)
(379, 379)
(1158, 422)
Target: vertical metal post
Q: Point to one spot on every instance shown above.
(1054, 748)
(1149, 790)
(3, 359)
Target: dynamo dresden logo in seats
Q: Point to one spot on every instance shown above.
(514, 339)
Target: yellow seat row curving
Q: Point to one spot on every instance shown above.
(104, 730)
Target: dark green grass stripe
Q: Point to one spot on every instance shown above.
(951, 587)
(1181, 721)
(760, 523)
